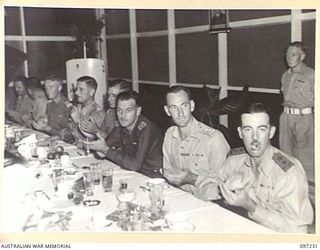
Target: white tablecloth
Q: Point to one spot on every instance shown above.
(19, 202)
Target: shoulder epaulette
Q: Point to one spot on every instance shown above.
(142, 125)
(237, 151)
(282, 161)
(207, 130)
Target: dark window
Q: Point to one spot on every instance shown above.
(308, 38)
(185, 18)
(153, 58)
(238, 15)
(151, 20)
(117, 21)
(47, 58)
(197, 58)
(119, 58)
(56, 21)
(256, 55)
(12, 21)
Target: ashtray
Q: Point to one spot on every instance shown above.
(90, 203)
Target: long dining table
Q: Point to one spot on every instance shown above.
(30, 202)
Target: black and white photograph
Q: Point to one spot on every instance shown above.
(159, 121)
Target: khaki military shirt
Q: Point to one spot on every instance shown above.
(58, 115)
(109, 122)
(203, 153)
(38, 111)
(279, 188)
(23, 106)
(298, 88)
(92, 112)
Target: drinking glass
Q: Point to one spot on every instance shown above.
(96, 171)
(107, 179)
(88, 183)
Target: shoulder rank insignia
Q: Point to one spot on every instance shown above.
(142, 125)
(237, 151)
(207, 130)
(282, 161)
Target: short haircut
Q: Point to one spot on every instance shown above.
(123, 84)
(89, 81)
(34, 83)
(54, 78)
(177, 89)
(258, 107)
(131, 94)
(298, 45)
(22, 79)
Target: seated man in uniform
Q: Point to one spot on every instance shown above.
(136, 143)
(110, 121)
(23, 103)
(191, 149)
(269, 184)
(39, 107)
(87, 115)
(57, 113)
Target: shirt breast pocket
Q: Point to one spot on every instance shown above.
(302, 85)
(198, 163)
(263, 193)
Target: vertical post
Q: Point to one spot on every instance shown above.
(223, 71)
(24, 40)
(172, 48)
(134, 50)
(296, 26)
(84, 50)
(102, 45)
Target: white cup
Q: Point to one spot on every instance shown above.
(42, 152)
(177, 221)
(65, 160)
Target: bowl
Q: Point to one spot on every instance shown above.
(156, 181)
(126, 196)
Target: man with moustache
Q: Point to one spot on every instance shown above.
(135, 144)
(191, 149)
(269, 184)
(87, 116)
(296, 134)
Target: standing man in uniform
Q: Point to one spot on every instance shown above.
(269, 184)
(87, 116)
(297, 120)
(57, 113)
(135, 144)
(191, 149)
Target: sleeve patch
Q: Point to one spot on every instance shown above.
(142, 125)
(282, 161)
